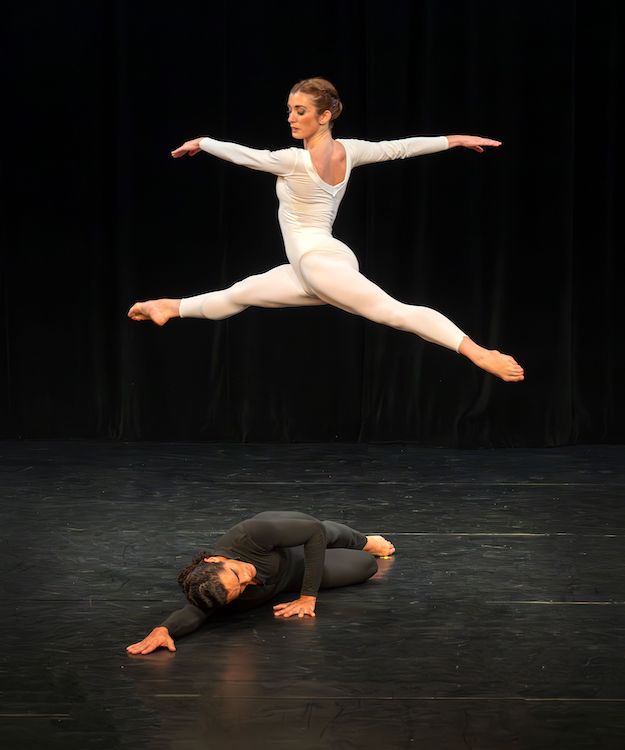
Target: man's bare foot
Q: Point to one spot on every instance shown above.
(379, 546)
(159, 311)
(501, 365)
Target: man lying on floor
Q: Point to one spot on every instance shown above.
(271, 553)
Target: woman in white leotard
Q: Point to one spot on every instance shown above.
(321, 270)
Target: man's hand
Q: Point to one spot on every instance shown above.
(189, 147)
(157, 638)
(301, 607)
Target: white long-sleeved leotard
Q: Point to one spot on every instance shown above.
(321, 269)
(307, 204)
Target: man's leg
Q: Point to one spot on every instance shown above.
(346, 567)
(341, 567)
(339, 535)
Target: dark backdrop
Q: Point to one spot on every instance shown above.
(521, 247)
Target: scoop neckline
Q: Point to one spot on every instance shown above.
(311, 169)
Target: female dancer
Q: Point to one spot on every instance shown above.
(273, 552)
(321, 269)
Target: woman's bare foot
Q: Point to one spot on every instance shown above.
(159, 311)
(379, 546)
(502, 365)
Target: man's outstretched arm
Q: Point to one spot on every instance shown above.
(158, 638)
(179, 623)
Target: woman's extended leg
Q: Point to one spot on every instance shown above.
(332, 277)
(278, 287)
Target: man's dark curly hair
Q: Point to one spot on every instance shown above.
(201, 585)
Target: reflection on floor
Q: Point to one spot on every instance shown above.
(499, 624)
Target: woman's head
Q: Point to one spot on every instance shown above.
(313, 103)
(323, 94)
(212, 582)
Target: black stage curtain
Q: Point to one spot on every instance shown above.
(521, 247)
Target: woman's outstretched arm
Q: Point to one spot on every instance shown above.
(275, 162)
(370, 152)
(475, 142)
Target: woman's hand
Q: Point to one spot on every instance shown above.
(191, 148)
(157, 638)
(301, 607)
(474, 142)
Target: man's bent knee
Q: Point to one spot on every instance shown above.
(373, 567)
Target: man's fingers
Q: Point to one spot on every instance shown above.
(294, 612)
(284, 612)
(143, 647)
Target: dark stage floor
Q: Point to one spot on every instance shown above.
(498, 625)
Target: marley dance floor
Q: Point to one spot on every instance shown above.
(499, 624)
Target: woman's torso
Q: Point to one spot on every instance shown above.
(308, 206)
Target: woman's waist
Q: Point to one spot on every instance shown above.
(311, 221)
(298, 235)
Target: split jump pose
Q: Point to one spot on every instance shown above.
(271, 553)
(321, 270)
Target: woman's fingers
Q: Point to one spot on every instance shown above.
(191, 148)
(180, 151)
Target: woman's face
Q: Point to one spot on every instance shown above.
(303, 117)
(235, 576)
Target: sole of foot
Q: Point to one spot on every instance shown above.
(379, 546)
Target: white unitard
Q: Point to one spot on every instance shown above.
(321, 269)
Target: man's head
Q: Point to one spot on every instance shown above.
(212, 582)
